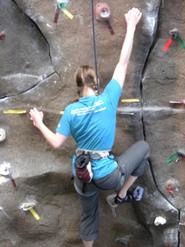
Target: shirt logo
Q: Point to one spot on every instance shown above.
(96, 107)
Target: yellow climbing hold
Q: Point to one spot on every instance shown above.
(130, 100)
(34, 213)
(14, 111)
(67, 13)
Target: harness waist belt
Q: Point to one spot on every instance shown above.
(95, 155)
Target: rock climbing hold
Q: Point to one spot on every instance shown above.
(2, 135)
(103, 13)
(172, 186)
(170, 189)
(67, 13)
(6, 171)
(29, 205)
(61, 5)
(14, 111)
(167, 45)
(2, 35)
(175, 156)
(177, 102)
(174, 33)
(130, 100)
(175, 36)
(159, 220)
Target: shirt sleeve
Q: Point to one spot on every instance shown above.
(63, 126)
(113, 92)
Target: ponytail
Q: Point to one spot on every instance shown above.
(85, 76)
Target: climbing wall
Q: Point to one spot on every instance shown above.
(39, 54)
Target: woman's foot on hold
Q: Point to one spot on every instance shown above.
(134, 196)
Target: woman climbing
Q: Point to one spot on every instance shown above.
(91, 121)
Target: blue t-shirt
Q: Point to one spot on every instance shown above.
(92, 123)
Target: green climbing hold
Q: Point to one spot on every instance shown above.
(62, 4)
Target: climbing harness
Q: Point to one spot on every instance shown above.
(83, 166)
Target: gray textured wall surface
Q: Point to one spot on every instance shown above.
(38, 59)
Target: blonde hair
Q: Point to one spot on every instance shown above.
(85, 76)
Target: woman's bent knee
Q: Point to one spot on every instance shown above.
(144, 146)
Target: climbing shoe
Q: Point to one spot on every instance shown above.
(131, 196)
(138, 193)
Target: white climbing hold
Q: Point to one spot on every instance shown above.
(2, 134)
(5, 169)
(159, 220)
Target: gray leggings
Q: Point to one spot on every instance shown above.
(132, 162)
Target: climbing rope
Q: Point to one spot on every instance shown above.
(94, 44)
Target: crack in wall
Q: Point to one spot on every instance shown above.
(142, 104)
(37, 27)
(37, 83)
(143, 120)
(152, 109)
(41, 33)
(28, 89)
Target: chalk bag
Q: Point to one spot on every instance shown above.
(83, 168)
